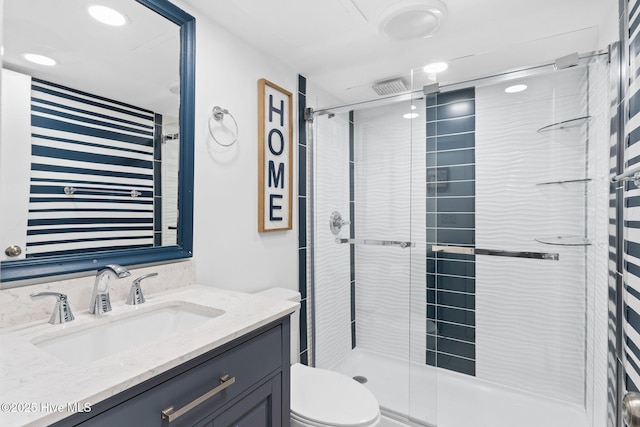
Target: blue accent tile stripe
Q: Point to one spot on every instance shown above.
(302, 220)
(352, 226)
(624, 207)
(450, 206)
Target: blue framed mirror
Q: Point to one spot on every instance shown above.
(97, 136)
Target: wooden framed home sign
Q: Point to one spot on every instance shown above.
(275, 157)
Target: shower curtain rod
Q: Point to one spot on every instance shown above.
(418, 94)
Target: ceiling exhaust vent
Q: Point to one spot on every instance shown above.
(389, 87)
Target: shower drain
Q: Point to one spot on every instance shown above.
(360, 379)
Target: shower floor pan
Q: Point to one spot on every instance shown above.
(448, 399)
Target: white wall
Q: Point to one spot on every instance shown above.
(608, 30)
(228, 250)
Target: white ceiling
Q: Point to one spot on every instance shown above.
(336, 43)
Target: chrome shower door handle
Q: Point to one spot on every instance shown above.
(631, 409)
(467, 250)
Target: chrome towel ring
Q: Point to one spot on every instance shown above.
(218, 114)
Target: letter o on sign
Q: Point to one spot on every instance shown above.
(270, 142)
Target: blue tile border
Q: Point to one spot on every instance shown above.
(450, 219)
(302, 219)
(352, 226)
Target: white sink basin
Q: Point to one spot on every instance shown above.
(111, 335)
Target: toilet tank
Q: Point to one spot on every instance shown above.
(294, 296)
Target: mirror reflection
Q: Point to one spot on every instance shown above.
(90, 134)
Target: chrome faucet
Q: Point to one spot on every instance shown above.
(100, 301)
(135, 294)
(61, 312)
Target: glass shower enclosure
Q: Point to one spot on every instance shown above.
(460, 249)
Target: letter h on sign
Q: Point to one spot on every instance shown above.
(275, 157)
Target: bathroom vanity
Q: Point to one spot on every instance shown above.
(230, 368)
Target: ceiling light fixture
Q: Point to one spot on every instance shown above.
(516, 88)
(39, 59)
(412, 19)
(410, 115)
(436, 67)
(413, 107)
(107, 16)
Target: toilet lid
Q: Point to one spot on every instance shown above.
(330, 398)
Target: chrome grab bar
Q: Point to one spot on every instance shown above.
(376, 242)
(69, 191)
(465, 250)
(171, 414)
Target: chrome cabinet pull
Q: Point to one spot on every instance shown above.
(171, 414)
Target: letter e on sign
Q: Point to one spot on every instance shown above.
(275, 157)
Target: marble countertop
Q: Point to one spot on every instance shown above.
(36, 388)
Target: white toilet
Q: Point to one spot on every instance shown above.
(322, 398)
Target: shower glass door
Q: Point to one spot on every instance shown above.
(466, 282)
(516, 252)
(364, 164)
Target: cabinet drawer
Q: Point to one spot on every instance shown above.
(248, 363)
(258, 409)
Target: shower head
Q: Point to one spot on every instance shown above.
(389, 87)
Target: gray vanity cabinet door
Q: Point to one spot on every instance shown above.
(254, 399)
(261, 408)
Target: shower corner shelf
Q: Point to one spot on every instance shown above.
(564, 240)
(566, 181)
(565, 124)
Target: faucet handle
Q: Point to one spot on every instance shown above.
(61, 312)
(135, 294)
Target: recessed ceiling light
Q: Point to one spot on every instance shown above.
(516, 88)
(39, 59)
(2, 50)
(107, 16)
(412, 19)
(413, 107)
(436, 67)
(411, 115)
